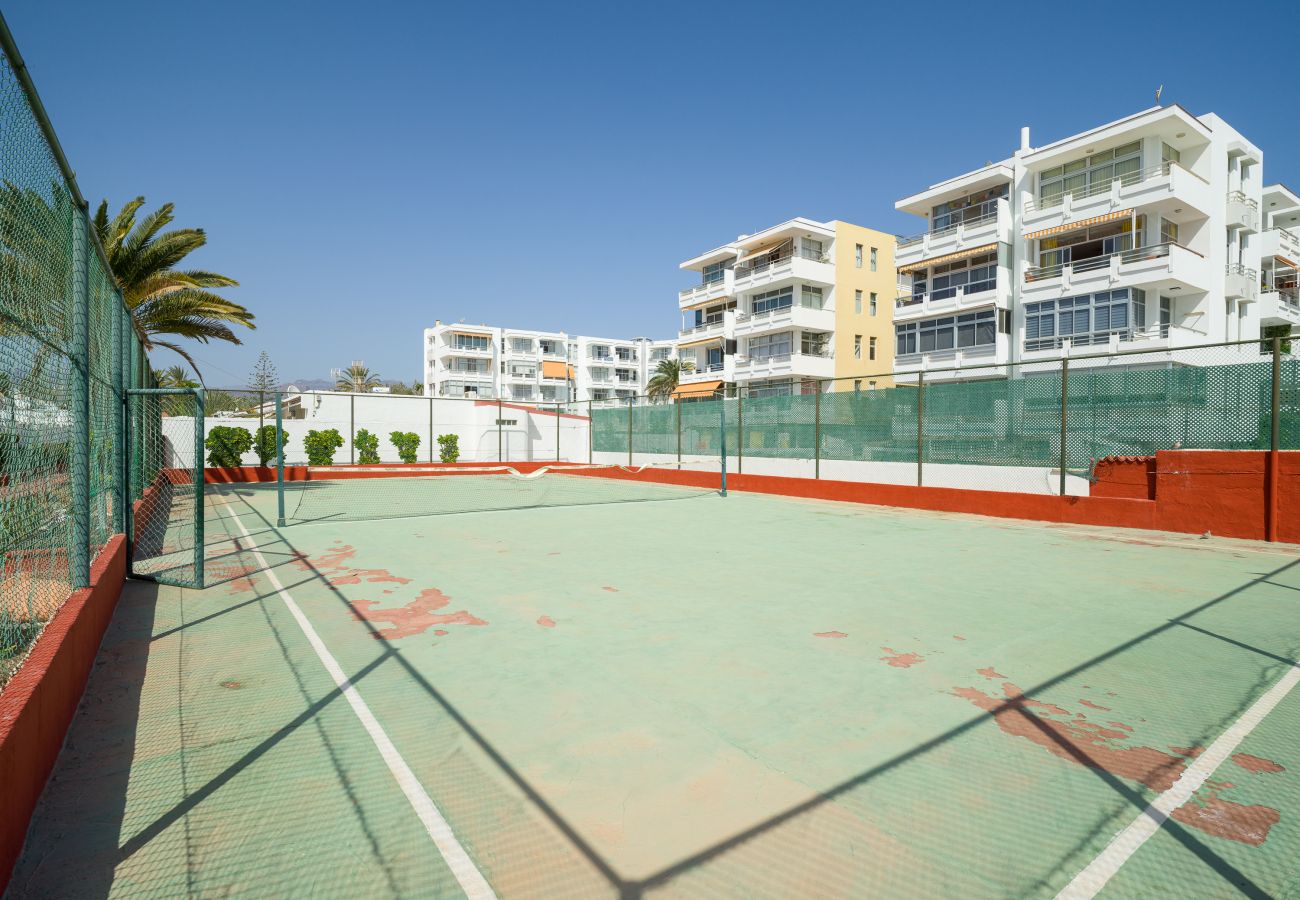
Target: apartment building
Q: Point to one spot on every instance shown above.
(1144, 233)
(784, 310)
(488, 362)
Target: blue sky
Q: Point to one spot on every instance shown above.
(364, 169)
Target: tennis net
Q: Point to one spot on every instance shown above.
(357, 493)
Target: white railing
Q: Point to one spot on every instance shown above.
(1154, 251)
(988, 212)
(1239, 269)
(1240, 197)
(1103, 186)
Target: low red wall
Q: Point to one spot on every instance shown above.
(1131, 477)
(38, 703)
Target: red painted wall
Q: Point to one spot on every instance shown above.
(1133, 477)
(38, 703)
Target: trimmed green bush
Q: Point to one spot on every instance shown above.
(227, 445)
(449, 447)
(264, 443)
(407, 443)
(367, 445)
(321, 446)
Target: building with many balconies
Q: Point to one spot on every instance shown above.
(787, 308)
(487, 362)
(1144, 233)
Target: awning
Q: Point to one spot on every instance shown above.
(1286, 262)
(765, 251)
(699, 343)
(1082, 223)
(949, 257)
(697, 389)
(472, 334)
(555, 369)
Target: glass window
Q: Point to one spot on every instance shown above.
(1090, 175)
(873, 303)
(771, 301)
(814, 343)
(1086, 319)
(810, 297)
(975, 329)
(810, 249)
(857, 302)
(1168, 232)
(873, 259)
(771, 346)
(857, 346)
(715, 272)
(857, 256)
(871, 348)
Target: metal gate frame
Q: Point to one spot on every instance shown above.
(134, 490)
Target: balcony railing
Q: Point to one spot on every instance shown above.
(1241, 198)
(1103, 186)
(1093, 263)
(694, 329)
(1239, 269)
(980, 214)
(1093, 338)
(769, 358)
(751, 268)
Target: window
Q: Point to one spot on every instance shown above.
(871, 348)
(814, 343)
(769, 347)
(1088, 248)
(871, 385)
(857, 302)
(810, 297)
(972, 208)
(472, 342)
(1091, 174)
(1168, 232)
(972, 275)
(1166, 315)
(857, 256)
(976, 329)
(1169, 155)
(772, 301)
(1086, 319)
(784, 388)
(873, 303)
(857, 346)
(713, 361)
(810, 249)
(857, 384)
(873, 259)
(715, 272)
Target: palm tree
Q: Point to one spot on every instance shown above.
(357, 379)
(667, 376)
(163, 299)
(175, 377)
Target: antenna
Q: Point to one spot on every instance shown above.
(1159, 91)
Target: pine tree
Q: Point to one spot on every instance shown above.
(263, 376)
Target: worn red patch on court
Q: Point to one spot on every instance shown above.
(1225, 819)
(829, 634)
(1256, 764)
(415, 617)
(546, 622)
(612, 590)
(990, 672)
(901, 660)
(1091, 705)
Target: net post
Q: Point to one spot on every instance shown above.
(79, 464)
(629, 432)
(1065, 417)
(430, 428)
(500, 455)
(352, 428)
(557, 432)
(678, 404)
(817, 432)
(199, 404)
(722, 434)
(1274, 444)
(279, 462)
(920, 428)
(740, 429)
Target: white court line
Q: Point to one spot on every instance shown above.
(1092, 879)
(457, 859)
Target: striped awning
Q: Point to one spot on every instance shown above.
(1082, 223)
(754, 254)
(712, 301)
(1286, 262)
(697, 389)
(947, 257)
(699, 343)
(555, 369)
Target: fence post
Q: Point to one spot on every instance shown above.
(722, 420)
(591, 434)
(279, 463)
(678, 405)
(79, 464)
(1065, 417)
(430, 428)
(920, 428)
(629, 432)
(199, 403)
(500, 454)
(1274, 445)
(119, 398)
(352, 428)
(740, 430)
(557, 432)
(261, 410)
(817, 432)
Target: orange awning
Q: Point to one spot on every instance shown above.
(754, 254)
(700, 342)
(1082, 223)
(1286, 262)
(555, 369)
(697, 389)
(948, 257)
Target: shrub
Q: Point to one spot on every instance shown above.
(227, 445)
(321, 446)
(449, 447)
(407, 443)
(367, 445)
(264, 443)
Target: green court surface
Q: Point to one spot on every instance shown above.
(691, 695)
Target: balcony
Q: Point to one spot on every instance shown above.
(706, 330)
(795, 316)
(989, 222)
(1240, 282)
(1279, 242)
(1166, 186)
(703, 372)
(465, 350)
(718, 289)
(1280, 306)
(1160, 266)
(811, 365)
(1109, 342)
(920, 306)
(799, 266)
(1243, 212)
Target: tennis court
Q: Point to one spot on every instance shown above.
(685, 694)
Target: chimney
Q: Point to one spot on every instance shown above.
(1024, 138)
(437, 323)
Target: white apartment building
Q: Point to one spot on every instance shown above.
(785, 309)
(1151, 232)
(487, 362)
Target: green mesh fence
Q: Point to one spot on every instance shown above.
(63, 333)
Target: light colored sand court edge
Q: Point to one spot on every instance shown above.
(458, 860)
(1092, 879)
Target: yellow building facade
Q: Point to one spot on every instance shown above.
(866, 284)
